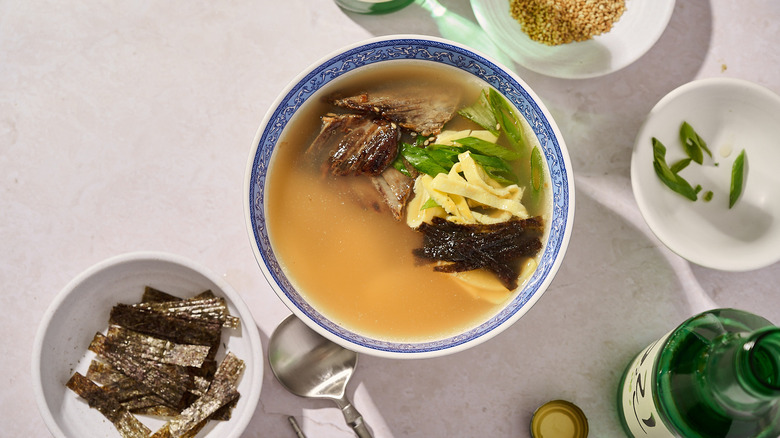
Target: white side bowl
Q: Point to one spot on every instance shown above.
(82, 309)
(730, 115)
(633, 35)
(404, 48)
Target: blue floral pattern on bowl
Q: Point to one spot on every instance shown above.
(431, 50)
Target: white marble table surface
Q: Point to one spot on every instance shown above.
(127, 126)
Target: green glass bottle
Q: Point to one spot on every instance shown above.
(716, 375)
(373, 6)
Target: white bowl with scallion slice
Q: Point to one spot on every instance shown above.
(704, 173)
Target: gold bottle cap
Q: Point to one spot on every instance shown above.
(559, 419)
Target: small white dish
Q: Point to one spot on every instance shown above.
(730, 115)
(632, 36)
(82, 308)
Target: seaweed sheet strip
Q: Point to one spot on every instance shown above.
(213, 309)
(163, 432)
(178, 330)
(205, 294)
(103, 373)
(206, 370)
(127, 425)
(200, 385)
(223, 390)
(168, 381)
(225, 412)
(158, 349)
(149, 406)
(129, 389)
(152, 295)
(145, 402)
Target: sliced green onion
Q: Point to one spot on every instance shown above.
(481, 113)
(420, 160)
(508, 120)
(430, 203)
(485, 147)
(692, 143)
(444, 157)
(399, 165)
(680, 165)
(737, 178)
(672, 180)
(537, 170)
(436, 159)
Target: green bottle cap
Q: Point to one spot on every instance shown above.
(559, 419)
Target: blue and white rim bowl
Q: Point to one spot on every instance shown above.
(426, 49)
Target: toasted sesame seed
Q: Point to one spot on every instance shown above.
(555, 22)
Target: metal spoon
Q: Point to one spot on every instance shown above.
(309, 365)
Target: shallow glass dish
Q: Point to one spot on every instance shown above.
(382, 51)
(631, 36)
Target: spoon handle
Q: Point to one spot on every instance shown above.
(353, 418)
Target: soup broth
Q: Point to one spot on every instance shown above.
(353, 264)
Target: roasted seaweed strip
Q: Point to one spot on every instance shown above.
(125, 389)
(163, 432)
(137, 398)
(150, 406)
(158, 358)
(103, 373)
(127, 425)
(212, 309)
(225, 412)
(129, 389)
(170, 382)
(153, 295)
(158, 349)
(223, 390)
(172, 328)
(495, 247)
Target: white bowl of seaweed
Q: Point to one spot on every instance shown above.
(147, 342)
(408, 197)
